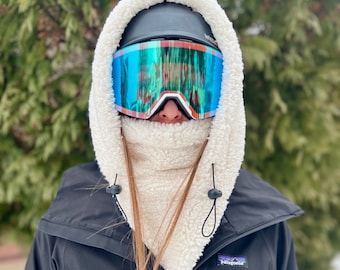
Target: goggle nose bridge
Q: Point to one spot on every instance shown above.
(159, 105)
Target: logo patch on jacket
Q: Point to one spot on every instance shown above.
(234, 261)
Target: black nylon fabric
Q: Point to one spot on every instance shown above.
(83, 228)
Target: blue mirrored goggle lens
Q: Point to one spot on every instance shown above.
(145, 74)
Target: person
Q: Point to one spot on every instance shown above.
(167, 120)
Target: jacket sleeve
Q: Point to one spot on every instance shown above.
(280, 246)
(285, 253)
(40, 256)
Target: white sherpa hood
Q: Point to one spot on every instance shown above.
(225, 148)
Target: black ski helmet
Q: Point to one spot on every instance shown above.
(168, 21)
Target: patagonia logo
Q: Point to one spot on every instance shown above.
(234, 261)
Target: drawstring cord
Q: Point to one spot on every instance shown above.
(114, 190)
(213, 194)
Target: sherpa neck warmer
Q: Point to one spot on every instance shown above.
(158, 148)
(163, 156)
(225, 148)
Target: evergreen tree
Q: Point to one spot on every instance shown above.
(46, 51)
(291, 51)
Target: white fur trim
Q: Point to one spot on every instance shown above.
(226, 143)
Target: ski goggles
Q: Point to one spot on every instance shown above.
(145, 75)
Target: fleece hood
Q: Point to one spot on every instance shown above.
(225, 147)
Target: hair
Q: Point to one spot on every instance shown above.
(142, 257)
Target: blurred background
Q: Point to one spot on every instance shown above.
(291, 51)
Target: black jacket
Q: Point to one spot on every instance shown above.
(81, 228)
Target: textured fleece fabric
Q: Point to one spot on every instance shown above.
(162, 158)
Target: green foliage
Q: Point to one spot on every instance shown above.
(292, 99)
(46, 52)
(292, 76)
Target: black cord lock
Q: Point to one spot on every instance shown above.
(214, 193)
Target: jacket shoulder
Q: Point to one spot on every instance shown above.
(84, 212)
(255, 203)
(81, 199)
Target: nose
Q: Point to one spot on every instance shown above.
(169, 114)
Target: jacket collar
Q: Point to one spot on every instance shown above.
(93, 219)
